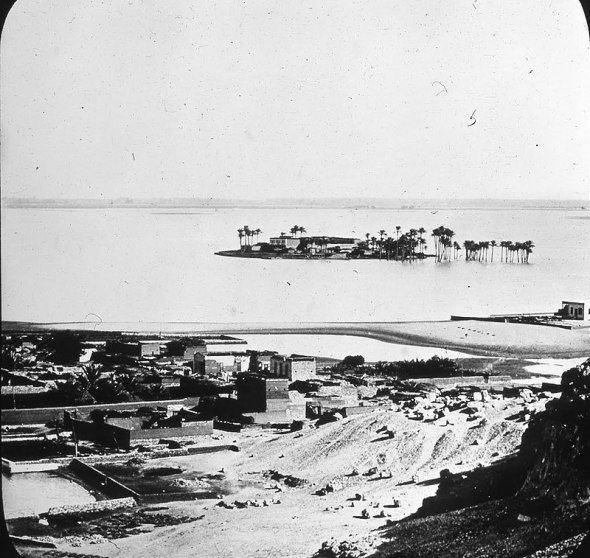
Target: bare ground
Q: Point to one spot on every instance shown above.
(297, 526)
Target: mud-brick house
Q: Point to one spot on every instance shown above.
(124, 433)
(267, 399)
(294, 368)
(575, 310)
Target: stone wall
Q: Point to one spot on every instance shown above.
(89, 509)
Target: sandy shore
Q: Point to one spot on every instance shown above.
(470, 336)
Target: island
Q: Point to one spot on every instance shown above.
(409, 246)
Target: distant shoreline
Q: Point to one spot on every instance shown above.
(293, 203)
(495, 339)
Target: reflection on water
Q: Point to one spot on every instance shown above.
(33, 493)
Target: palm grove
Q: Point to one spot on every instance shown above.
(411, 245)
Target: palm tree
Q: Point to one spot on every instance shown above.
(422, 242)
(492, 244)
(294, 230)
(421, 231)
(241, 236)
(397, 229)
(92, 373)
(257, 232)
(528, 247)
(128, 382)
(301, 231)
(388, 243)
(382, 234)
(485, 246)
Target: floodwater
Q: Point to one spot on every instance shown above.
(33, 493)
(339, 346)
(156, 265)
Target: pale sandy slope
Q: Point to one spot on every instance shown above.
(298, 526)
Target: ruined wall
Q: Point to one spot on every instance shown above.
(42, 415)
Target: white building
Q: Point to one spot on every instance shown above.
(285, 241)
(575, 310)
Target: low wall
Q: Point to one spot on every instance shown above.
(14, 467)
(227, 426)
(29, 541)
(100, 481)
(43, 415)
(101, 433)
(164, 497)
(360, 410)
(123, 438)
(52, 464)
(90, 509)
(458, 381)
(200, 428)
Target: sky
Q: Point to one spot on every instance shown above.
(266, 98)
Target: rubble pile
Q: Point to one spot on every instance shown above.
(350, 548)
(250, 503)
(287, 480)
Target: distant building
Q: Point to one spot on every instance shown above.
(267, 400)
(189, 352)
(293, 368)
(261, 361)
(149, 348)
(285, 241)
(330, 244)
(575, 310)
(220, 365)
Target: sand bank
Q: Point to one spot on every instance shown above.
(470, 336)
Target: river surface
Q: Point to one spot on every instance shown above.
(157, 265)
(33, 493)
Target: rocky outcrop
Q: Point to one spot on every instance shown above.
(556, 445)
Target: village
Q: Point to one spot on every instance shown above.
(204, 424)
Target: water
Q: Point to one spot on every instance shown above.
(151, 265)
(553, 368)
(339, 346)
(33, 493)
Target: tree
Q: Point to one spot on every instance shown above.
(528, 247)
(65, 348)
(382, 234)
(175, 348)
(352, 361)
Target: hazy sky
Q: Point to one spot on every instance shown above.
(295, 99)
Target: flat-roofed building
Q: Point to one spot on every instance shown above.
(284, 241)
(190, 350)
(575, 310)
(293, 368)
